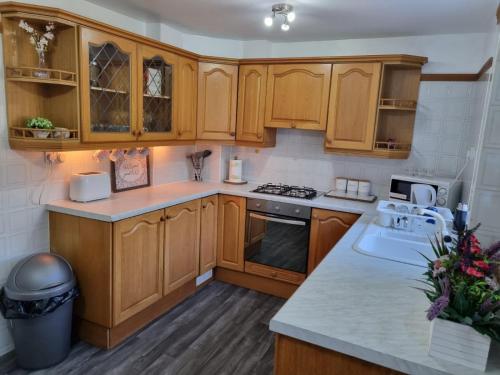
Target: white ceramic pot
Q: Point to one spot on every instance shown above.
(459, 343)
(61, 133)
(39, 133)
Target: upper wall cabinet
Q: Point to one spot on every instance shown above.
(297, 96)
(157, 105)
(43, 84)
(353, 106)
(187, 98)
(217, 93)
(108, 87)
(251, 106)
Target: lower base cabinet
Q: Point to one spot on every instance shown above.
(182, 244)
(296, 357)
(131, 271)
(327, 228)
(137, 264)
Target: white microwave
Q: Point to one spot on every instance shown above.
(448, 191)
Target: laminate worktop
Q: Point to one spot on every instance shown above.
(137, 202)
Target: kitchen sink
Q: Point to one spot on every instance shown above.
(395, 245)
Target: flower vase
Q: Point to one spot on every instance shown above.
(459, 343)
(42, 64)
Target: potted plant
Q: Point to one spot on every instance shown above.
(463, 288)
(39, 127)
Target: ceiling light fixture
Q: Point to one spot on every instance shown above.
(284, 12)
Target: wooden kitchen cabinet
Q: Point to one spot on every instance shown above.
(137, 264)
(250, 120)
(231, 232)
(187, 98)
(182, 244)
(108, 70)
(353, 106)
(327, 228)
(208, 235)
(297, 96)
(217, 98)
(157, 104)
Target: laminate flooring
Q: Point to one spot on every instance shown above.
(220, 330)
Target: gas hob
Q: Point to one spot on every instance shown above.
(287, 191)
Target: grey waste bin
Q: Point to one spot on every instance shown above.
(38, 301)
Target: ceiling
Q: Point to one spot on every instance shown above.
(316, 19)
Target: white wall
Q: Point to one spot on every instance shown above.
(486, 180)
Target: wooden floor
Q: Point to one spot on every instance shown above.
(222, 329)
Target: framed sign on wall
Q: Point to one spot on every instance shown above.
(130, 173)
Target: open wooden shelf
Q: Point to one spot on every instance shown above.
(54, 76)
(392, 146)
(51, 92)
(54, 134)
(398, 104)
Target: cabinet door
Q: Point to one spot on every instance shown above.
(108, 87)
(157, 94)
(297, 96)
(137, 264)
(182, 244)
(217, 92)
(231, 226)
(353, 106)
(187, 80)
(252, 104)
(208, 236)
(327, 228)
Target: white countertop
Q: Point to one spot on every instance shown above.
(352, 303)
(367, 308)
(136, 202)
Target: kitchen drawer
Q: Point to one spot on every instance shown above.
(274, 273)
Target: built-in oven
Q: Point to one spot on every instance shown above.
(277, 234)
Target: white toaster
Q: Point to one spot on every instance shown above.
(89, 186)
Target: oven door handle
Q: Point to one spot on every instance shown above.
(278, 220)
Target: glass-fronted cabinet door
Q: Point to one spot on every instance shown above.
(109, 87)
(156, 109)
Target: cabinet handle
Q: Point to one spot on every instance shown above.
(140, 133)
(329, 140)
(294, 125)
(232, 134)
(204, 206)
(134, 133)
(179, 133)
(162, 218)
(259, 135)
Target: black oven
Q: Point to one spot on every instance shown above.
(277, 234)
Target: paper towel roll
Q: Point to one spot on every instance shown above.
(235, 170)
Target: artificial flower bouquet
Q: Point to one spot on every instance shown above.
(462, 283)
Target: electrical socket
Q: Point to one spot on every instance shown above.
(471, 153)
(52, 158)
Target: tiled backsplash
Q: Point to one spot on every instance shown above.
(445, 115)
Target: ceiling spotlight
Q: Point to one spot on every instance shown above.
(284, 12)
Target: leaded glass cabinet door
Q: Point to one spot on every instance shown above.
(109, 87)
(157, 113)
